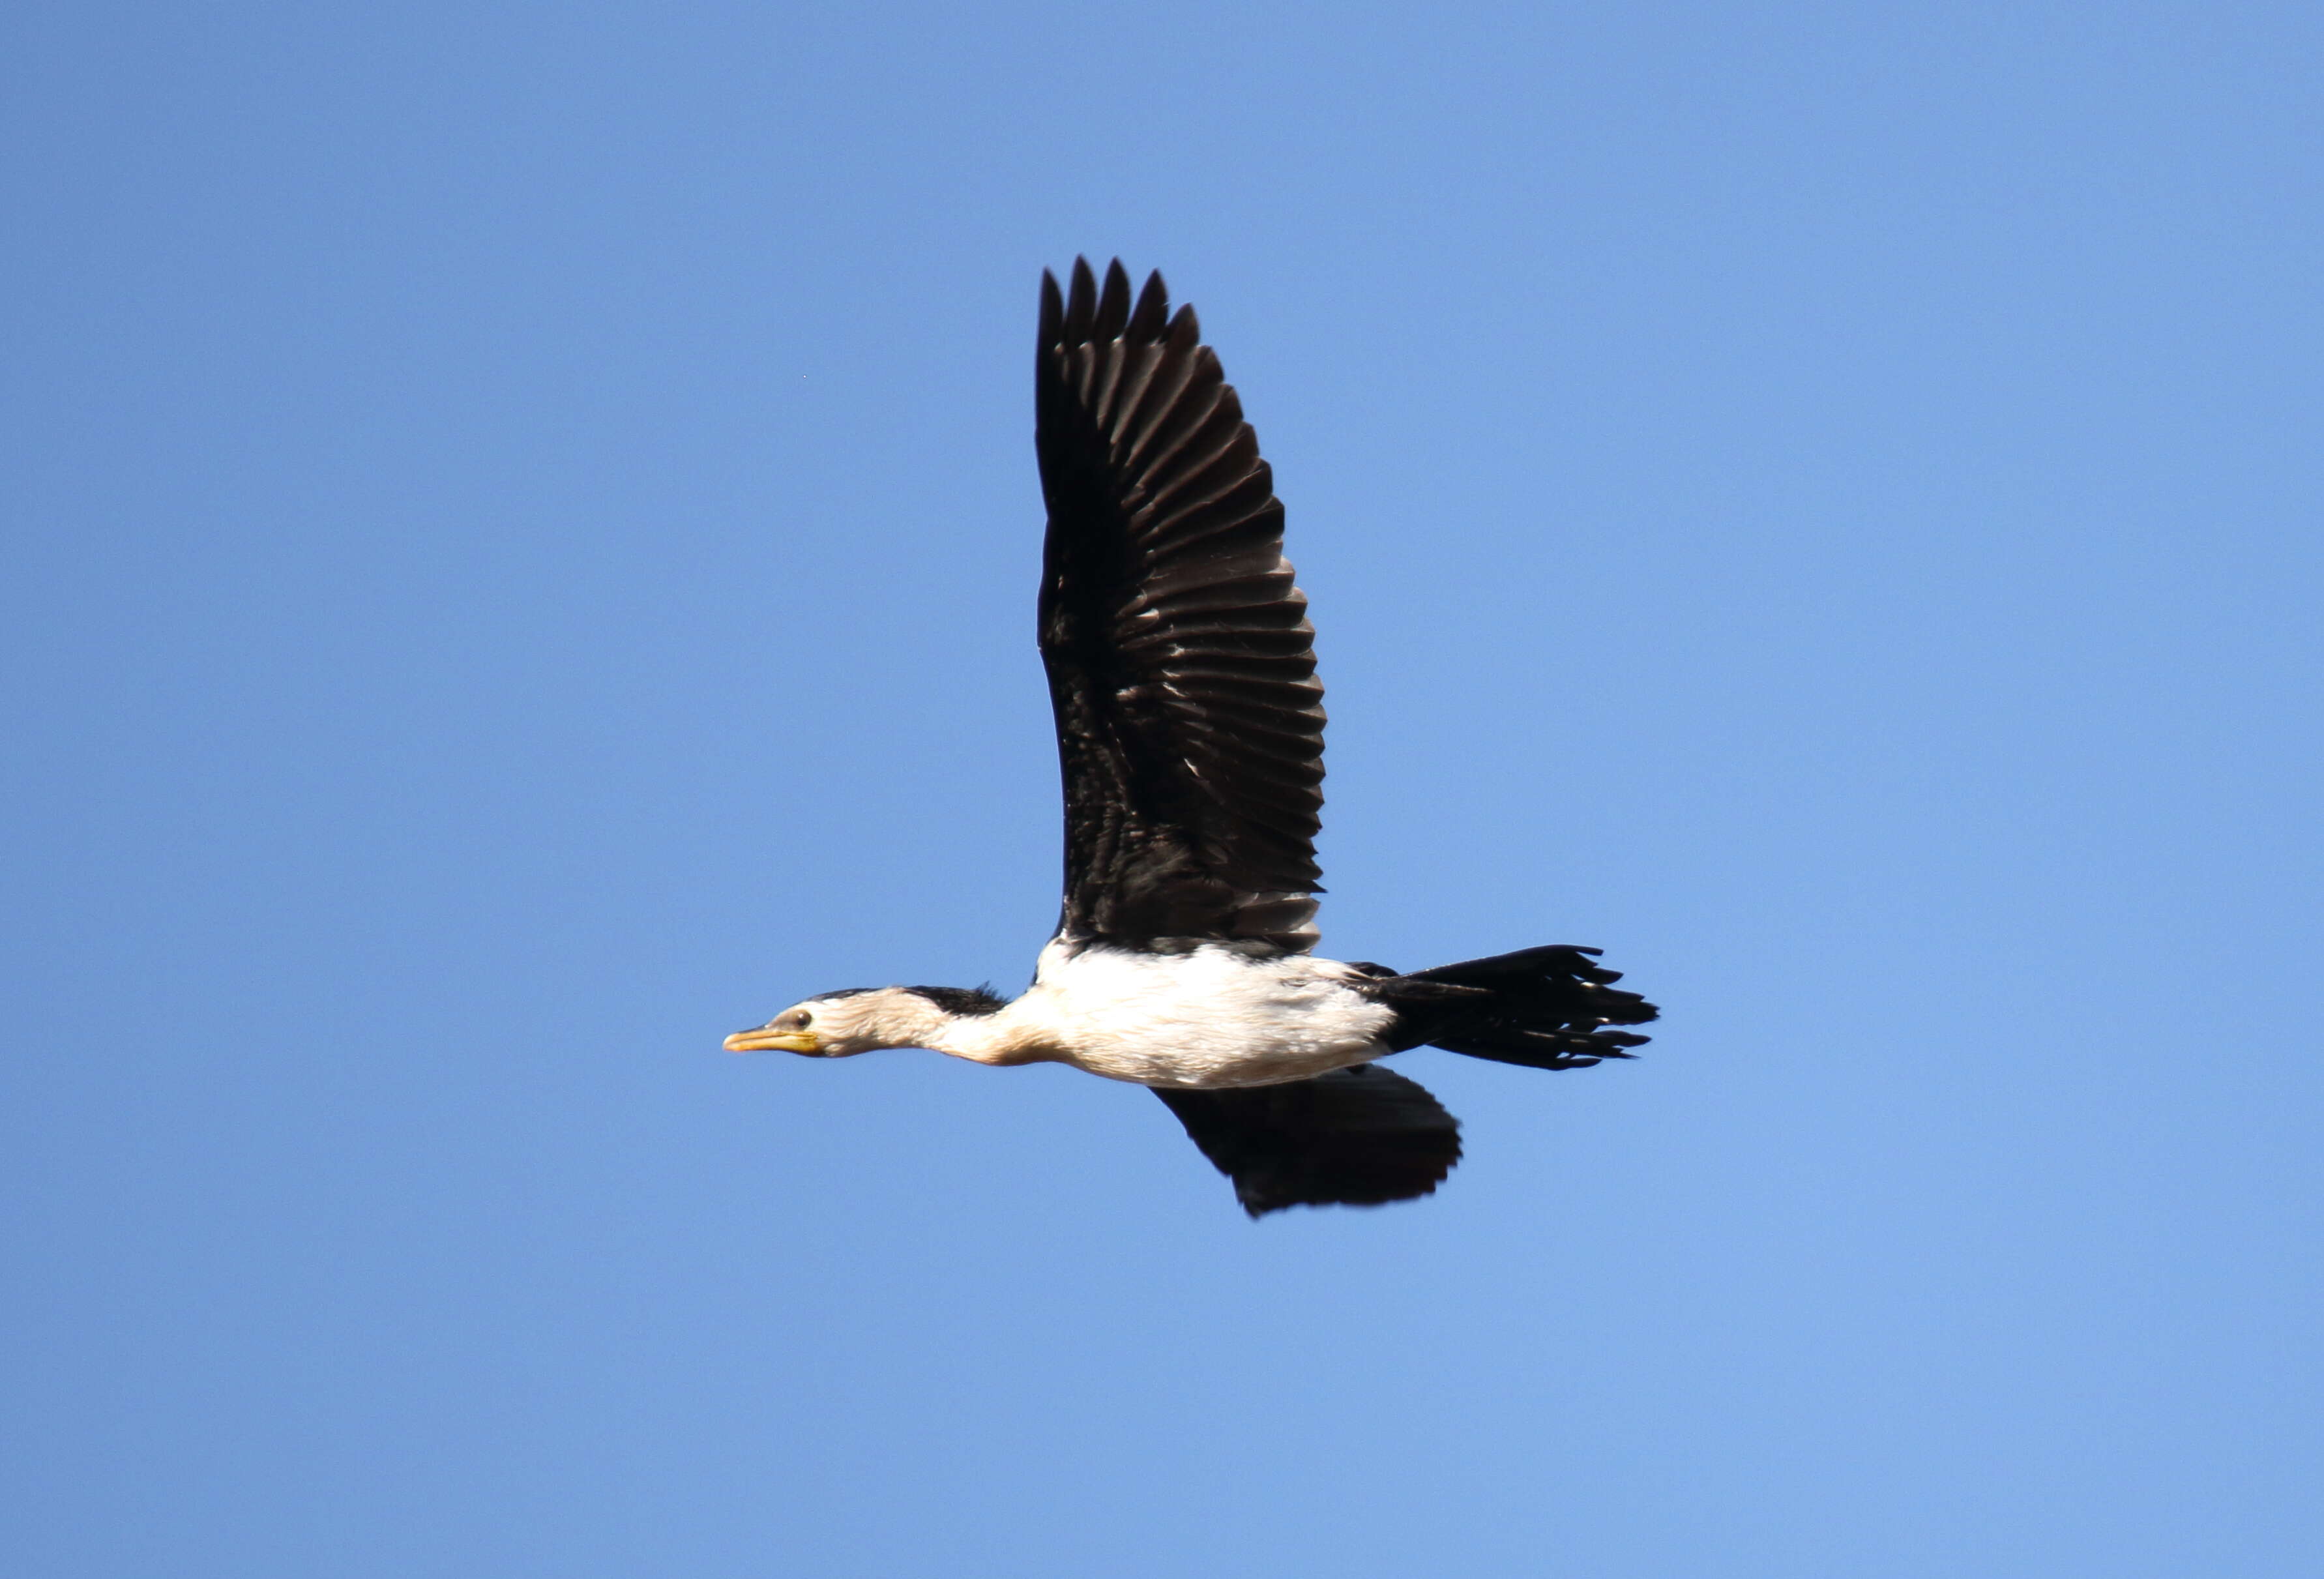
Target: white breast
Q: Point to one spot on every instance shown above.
(1208, 1018)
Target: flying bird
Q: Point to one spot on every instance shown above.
(1190, 734)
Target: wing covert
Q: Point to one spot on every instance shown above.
(1181, 664)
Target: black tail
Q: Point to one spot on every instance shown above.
(1544, 1008)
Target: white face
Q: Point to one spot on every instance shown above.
(844, 1025)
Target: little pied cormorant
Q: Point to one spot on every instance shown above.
(1189, 730)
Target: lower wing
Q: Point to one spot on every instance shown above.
(1358, 1137)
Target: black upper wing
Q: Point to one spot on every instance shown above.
(1190, 722)
(1359, 1136)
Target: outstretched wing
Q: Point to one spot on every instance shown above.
(1359, 1136)
(1190, 722)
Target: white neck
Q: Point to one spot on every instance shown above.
(998, 1038)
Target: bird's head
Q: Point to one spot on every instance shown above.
(839, 1025)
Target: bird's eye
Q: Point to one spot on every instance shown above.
(805, 1019)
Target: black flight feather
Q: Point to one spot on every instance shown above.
(1357, 1137)
(1181, 664)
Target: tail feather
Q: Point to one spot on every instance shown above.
(1551, 1008)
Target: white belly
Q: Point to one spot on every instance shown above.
(1210, 1018)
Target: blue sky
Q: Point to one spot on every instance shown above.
(520, 532)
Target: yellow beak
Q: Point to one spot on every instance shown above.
(766, 1039)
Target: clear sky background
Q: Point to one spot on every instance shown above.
(520, 538)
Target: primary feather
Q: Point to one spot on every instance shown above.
(1181, 664)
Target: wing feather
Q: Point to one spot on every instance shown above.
(1359, 1136)
(1181, 664)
